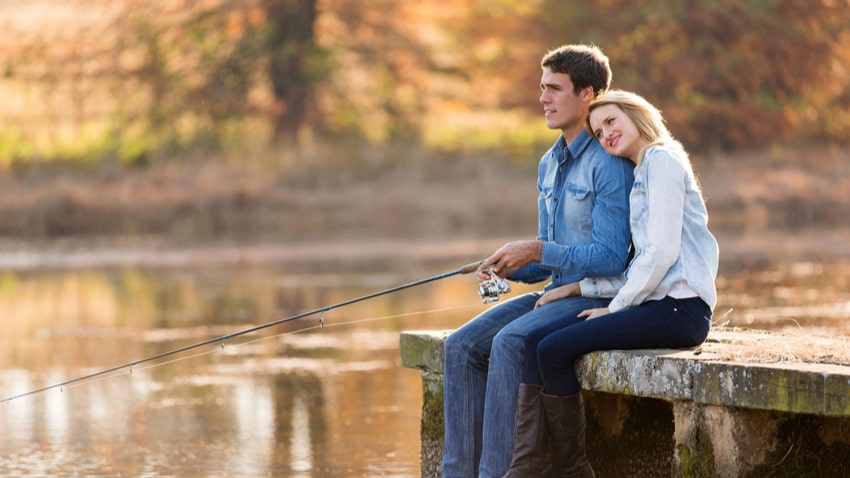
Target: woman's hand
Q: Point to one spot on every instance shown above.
(558, 293)
(594, 313)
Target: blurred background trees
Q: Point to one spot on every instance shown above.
(137, 81)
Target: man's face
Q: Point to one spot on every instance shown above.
(564, 109)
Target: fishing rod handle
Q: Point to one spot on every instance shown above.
(472, 267)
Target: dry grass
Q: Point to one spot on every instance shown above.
(754, 346)
(785, 188)
(377, 194)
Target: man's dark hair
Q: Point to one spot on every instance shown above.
(586, 65)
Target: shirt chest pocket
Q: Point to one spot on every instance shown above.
(576, 208)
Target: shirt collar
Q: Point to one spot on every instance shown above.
(575, 148)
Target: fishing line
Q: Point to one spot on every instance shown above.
(307, 329)
(221, 339)
(104, 377)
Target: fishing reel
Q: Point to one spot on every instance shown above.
(491, 289)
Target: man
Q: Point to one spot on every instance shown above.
(583, 232)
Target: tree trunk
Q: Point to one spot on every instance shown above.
(290, 42)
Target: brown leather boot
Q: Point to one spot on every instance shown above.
(531, 434)
(565, 415)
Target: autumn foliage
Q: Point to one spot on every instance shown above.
(138, 80)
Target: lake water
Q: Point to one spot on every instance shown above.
(321, 396)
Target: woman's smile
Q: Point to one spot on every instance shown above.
(616, 131)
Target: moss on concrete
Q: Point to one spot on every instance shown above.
(694, 448)
(431, 453)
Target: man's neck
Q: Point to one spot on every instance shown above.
(571, 134)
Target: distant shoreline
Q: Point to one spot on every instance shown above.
(746, 249)
(767, 203)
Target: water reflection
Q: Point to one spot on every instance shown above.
(799, 297)
(296, 400)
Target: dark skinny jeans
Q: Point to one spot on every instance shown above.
(667, 323)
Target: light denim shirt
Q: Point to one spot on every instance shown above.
(673, 247)
(583, 209)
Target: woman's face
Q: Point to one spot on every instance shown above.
(616, 131)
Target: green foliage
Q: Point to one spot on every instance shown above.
(13, 147)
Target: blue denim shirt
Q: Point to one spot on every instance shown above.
(673, 246)
(583, 213)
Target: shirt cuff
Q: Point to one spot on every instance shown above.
(617, 305)
(550, 256)
(589, 287)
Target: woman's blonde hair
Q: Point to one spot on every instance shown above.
(646, 117)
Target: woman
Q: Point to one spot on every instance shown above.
(664, 300)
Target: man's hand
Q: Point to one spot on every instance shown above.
(510, 257)
(558, 293)
(594, 313)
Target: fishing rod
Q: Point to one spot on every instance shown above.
(489, 291)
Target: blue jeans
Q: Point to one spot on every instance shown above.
(483, 365)
(665, 323)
